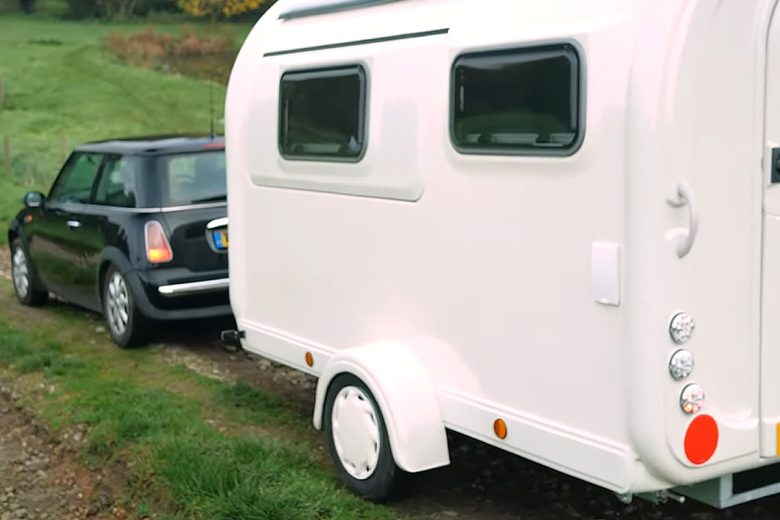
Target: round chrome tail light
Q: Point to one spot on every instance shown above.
(692, 399)
(681, 327)
(681, 364)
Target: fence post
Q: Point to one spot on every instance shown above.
(7, 153)
(64, 147)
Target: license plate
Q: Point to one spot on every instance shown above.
(220, 239)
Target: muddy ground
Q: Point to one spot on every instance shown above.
(41, 478)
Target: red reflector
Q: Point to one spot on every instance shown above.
(701, 439)
(158, 250)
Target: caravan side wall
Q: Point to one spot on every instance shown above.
(484, 265)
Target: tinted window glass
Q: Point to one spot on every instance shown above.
(193, 178)
(75, 182)
(517, 101)
(322, 114)
(117, 183)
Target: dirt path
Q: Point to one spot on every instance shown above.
(482, 483)
(40, 477)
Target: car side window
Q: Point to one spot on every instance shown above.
(117, 185)
(75, 182)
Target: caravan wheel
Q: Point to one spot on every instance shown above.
(358, 441)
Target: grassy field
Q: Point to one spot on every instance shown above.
(193, 447)
(61, 89)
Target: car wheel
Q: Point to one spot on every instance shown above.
(358, 440)
(26, 285)
(127, 326)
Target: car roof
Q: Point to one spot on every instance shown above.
(155, 145)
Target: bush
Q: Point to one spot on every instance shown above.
(28, 6)
(190, 44)
(144, 7)
(147, 48)
(202, 56)
(80, 9)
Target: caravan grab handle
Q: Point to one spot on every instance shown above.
(685, 198)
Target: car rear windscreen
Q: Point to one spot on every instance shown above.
(193, 178)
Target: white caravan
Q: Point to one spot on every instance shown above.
(551, 226)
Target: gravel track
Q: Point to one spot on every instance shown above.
(40, 476)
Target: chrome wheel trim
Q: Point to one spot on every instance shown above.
(20, 272)
(355, 432)
(117, 304)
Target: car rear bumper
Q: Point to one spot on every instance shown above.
(185, 289)
(161, 300)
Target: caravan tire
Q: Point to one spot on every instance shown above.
(358, 440)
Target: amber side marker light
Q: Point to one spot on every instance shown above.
(28, 218)
(309, 359)
(778, 439)
(499, 428)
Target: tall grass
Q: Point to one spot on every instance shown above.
(62, 88)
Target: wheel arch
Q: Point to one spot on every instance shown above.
(15, 231)
(110, 256)
(406, 397)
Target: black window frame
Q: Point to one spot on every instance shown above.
(320, 73)
(566, 48)
(108, 158)
(57, 184)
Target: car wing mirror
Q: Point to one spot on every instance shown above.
(34, 199)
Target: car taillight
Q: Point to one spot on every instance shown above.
(158, 250)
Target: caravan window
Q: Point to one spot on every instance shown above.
(323, 114)
(521, 101)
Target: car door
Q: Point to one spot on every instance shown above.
(56, 238)
(108, 221)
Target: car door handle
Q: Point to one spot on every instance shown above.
(73, 224)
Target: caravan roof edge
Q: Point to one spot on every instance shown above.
(328, 6)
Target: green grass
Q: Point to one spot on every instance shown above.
(256, 404)
(62, 89)
(193, 447)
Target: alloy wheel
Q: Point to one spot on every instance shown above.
(117, 304)
(21, 273)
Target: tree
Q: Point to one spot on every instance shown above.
(216, 8)
(28, 6)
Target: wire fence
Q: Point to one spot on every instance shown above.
(33, 163)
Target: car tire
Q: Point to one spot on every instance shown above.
(26, 284)
(125, 322)
(358, 441)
